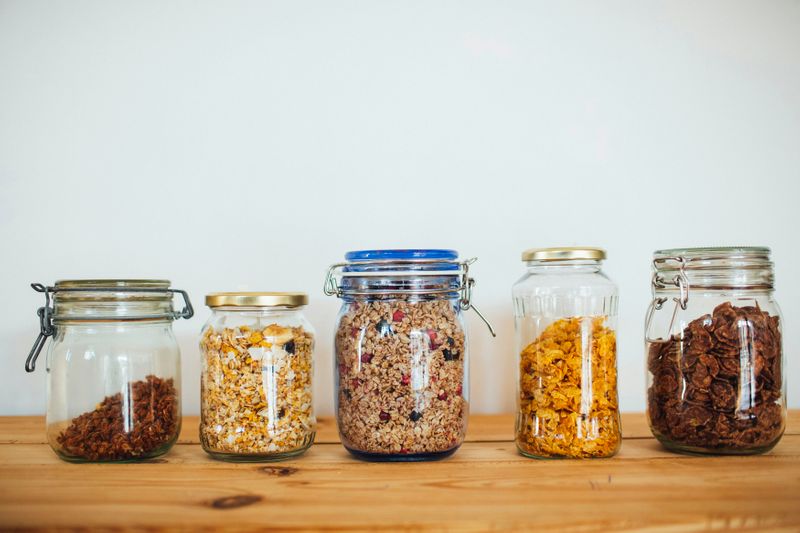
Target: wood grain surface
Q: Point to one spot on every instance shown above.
(485, 485)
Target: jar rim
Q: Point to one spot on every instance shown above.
(712, 251)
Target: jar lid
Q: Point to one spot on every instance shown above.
(256, 299)
(415, 253)
(567, 253)
(713, 251)
(415, 259)
(713, 267)
(84, 290)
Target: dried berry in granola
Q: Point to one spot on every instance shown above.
(718, 385)
(399, 392)
(140, 425)
(568, 403)
(256, 396)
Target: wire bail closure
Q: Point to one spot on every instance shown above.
(46, 314)
(657, 282)
(466, 283)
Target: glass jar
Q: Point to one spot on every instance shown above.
(256, 401)
(714, 352)
(402, 372)
(565, 311)
(113, 368)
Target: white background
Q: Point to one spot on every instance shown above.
(247, 145)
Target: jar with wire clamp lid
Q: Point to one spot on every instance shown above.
(256, 400)
(402, 372)
(565, 311)
(113, 368)
(713, 338)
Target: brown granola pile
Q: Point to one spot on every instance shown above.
(256, 394)
(116, 431)
(401, 373)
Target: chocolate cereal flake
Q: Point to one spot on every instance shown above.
(717, 386)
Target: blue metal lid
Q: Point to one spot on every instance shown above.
(434, 260)
(373, 255)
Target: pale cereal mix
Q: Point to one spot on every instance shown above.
(256, 394)
(401, 373)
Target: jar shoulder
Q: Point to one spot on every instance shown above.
(258, 320)
(551, 283)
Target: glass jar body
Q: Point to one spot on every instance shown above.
(565, 322)
(256, 384)
(402, 382)
(113, 390)
(715, 371)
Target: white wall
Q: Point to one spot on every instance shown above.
(231, 145)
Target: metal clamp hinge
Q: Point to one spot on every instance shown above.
(332, 288)
(47, 327)
(680, 280)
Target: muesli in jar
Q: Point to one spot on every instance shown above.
(401, 353)
(256, 393)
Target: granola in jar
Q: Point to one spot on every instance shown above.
(401, 373)
(256, 385)
(141, 425)
(401, 353)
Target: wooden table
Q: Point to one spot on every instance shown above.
(485, 485)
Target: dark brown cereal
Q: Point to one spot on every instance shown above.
(703, 397)
(101, 435)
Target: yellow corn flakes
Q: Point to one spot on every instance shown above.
(568, 404)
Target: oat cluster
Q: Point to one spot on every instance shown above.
(568, 404)
(718, 385)
(401, 371)
(256, 396)
(141, 425)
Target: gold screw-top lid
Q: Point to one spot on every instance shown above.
(568, 253)
(256, 299)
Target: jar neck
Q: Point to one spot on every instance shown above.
(565, 267)
(400, 287)
(105, 325)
